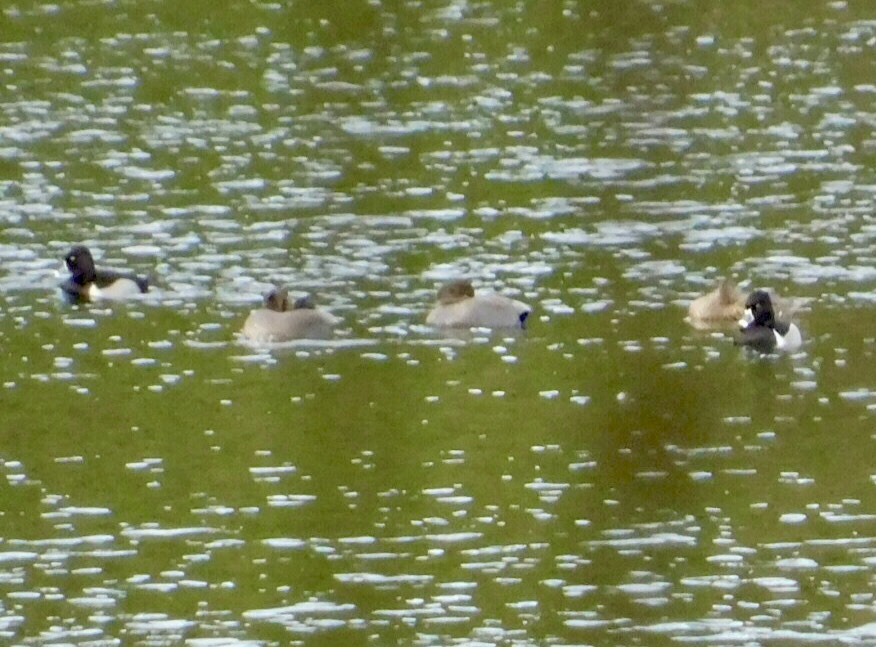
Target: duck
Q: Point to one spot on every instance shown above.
(723, 304)
(279, 321)
(726, 303)
(459, 307)
(764, 332)
(87, 283)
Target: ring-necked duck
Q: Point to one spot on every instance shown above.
(86, 283)
(458, 307)
(765, 333)
(278, 322)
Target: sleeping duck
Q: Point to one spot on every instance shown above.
(765, 333)
(277, 321)
(723, 304)
(459, 307)
(86, 283)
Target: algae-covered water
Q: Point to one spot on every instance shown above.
(609, 476)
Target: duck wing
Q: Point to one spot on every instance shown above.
(105, 278)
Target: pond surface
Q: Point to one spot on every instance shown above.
(610, 476)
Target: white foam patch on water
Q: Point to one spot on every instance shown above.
(701, 239)
(507, 549)
(587, 623)
(609, 235)
(290, 500)
(439, 491)
(796, 563)
(361, 126)
(93, 602)
(17, 556)
(144, 463)
(222, 642)
(278, 469)
(65, 542)
(529, 166)
(165, 533)
(542, 486)
(729, 631)
(641, 589)
(284, 543)
(146, 623)
(454, 537)
(653, 269)
(316, 344)
(455, 500)
(309, 608)
(379, 579)
(442, 215)
(364, 540)
(793, 518)
(142, 250)
(857, 394)
(846, 518)
(81, 323)
(85, 511)
(777, 584)
(658, 539)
